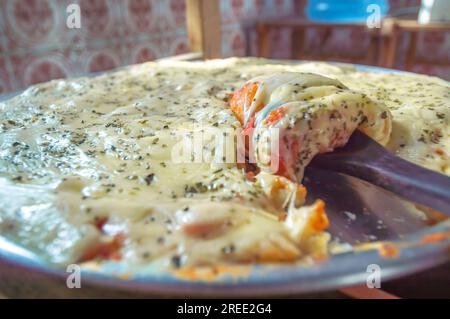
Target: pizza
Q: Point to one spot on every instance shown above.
(183, 164)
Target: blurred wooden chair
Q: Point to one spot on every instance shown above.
(393, 29)
(299, 28)
(383, 46)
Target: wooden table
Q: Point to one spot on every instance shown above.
(394, 29)
(299, 28)
(383, 47)
(433, 283)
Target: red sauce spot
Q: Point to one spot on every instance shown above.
(389, 250)
(433, 238)
(105, 250)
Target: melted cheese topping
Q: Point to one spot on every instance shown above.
(87, 170)
(311, 114)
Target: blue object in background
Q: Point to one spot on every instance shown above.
(343, 11)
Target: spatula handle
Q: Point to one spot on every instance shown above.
(382, 168)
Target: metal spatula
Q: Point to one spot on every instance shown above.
(364, 158)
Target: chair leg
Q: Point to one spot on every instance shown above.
(263, 41)
(297, 43)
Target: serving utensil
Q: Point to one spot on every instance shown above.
(364, 158)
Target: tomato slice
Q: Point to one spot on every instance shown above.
(244, 96)
(105, 250)
(275, 115)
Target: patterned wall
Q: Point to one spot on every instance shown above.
(36, 45)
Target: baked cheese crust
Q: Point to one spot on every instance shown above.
(87, 167)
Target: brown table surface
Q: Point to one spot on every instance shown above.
(432, 283)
